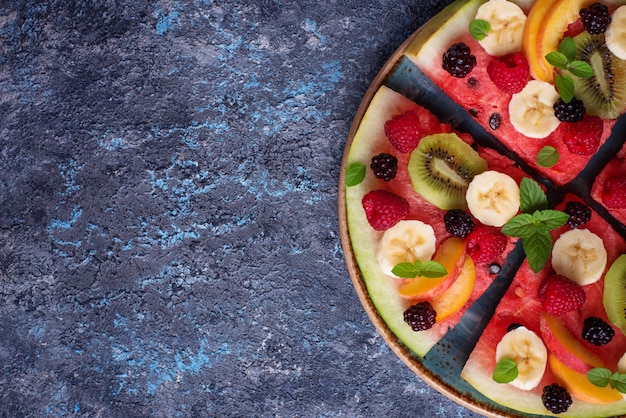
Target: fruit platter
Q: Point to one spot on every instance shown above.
(482, 205)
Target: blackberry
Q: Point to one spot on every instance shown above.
(556, 398)
(458, 222)
(458, 61)
(579, 214)
(597, 331)
(384, 166)
(420, 316)
(595, 18)
(569, 112)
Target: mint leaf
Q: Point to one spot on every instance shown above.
(599, 376)
(567, 47)
(618, 381)
(537, 246)
(580, 69)
(565, 87)
(550, 219)
(558, 59)
(479, 29)
(433, 269)
(518, 225)
(406, 270)
(547, 157)
(355, 174)
(532, 197)
(506, 371)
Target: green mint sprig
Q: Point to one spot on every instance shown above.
(506, 371)
(479, 29)
(565, 59)
(355, 174)
(534, 224)
(547, 156)
(429, 269)
(602, 377)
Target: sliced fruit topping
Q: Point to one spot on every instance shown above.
(528, 353)
(458, 222)
(573, 111)
(532, 109)
(559, 295)
(506, 25)
(614, 193)
(384, 209)
(441, 168)
(509, 73)
(453, 298)
(614, 298)
(485, 244)
(595, 18)
(407, 241)
(458, 60)
(451, 255)
(556, 398)
(604, 93)
(404, 131)
(493, 197)
(597, 331)
(580, 256)
(420, 316)
(615, 34)
(384, 166)
(579, 214)
(583, 137)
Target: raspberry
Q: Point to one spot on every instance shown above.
(509, 73)
(420, 316)
(614, 193)
(569, 112)
(597, 331)
(384, 166)
(583, 137)
(579, 214)
(404, 131)
(459, 223)
(595, 18)
(559, 295)
(384, 209)
(556, 398)
(458, 60)
(485, 244)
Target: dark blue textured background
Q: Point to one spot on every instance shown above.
(169, 239)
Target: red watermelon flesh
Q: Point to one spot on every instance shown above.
(616, 168)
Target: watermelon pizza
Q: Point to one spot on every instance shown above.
(482, 205)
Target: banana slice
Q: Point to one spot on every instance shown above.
(527, 350)
(493, 198)
(406, 241)
(621, 367)
(615, 35)
(531, 110)
(506, 21)
(580, 256)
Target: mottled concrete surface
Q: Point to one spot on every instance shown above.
(169, 239)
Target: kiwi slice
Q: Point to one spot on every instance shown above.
(441, 168)
(614, 298)
(604, 93)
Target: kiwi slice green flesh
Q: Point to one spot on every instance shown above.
(441, 168)
(604, 93)
(614, 298)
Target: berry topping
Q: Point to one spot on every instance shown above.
(595, 18)
(509, 73)
(458, 60)
(583, 137)
(569, 112)
(420, 316)
(579, 214)
(556, 398)
(384, 209)
(404, 131)
(614, 193)
(495, 120)
(384, 166)
(559, 295)
(459, 223)
(597, 331)
(485, 244)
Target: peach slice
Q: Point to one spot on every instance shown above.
(451, 254)
(565, 347)
(578, 384)
(453, 299)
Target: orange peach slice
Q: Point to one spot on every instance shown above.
(578, 384)
(453, 299)
(451, 254)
